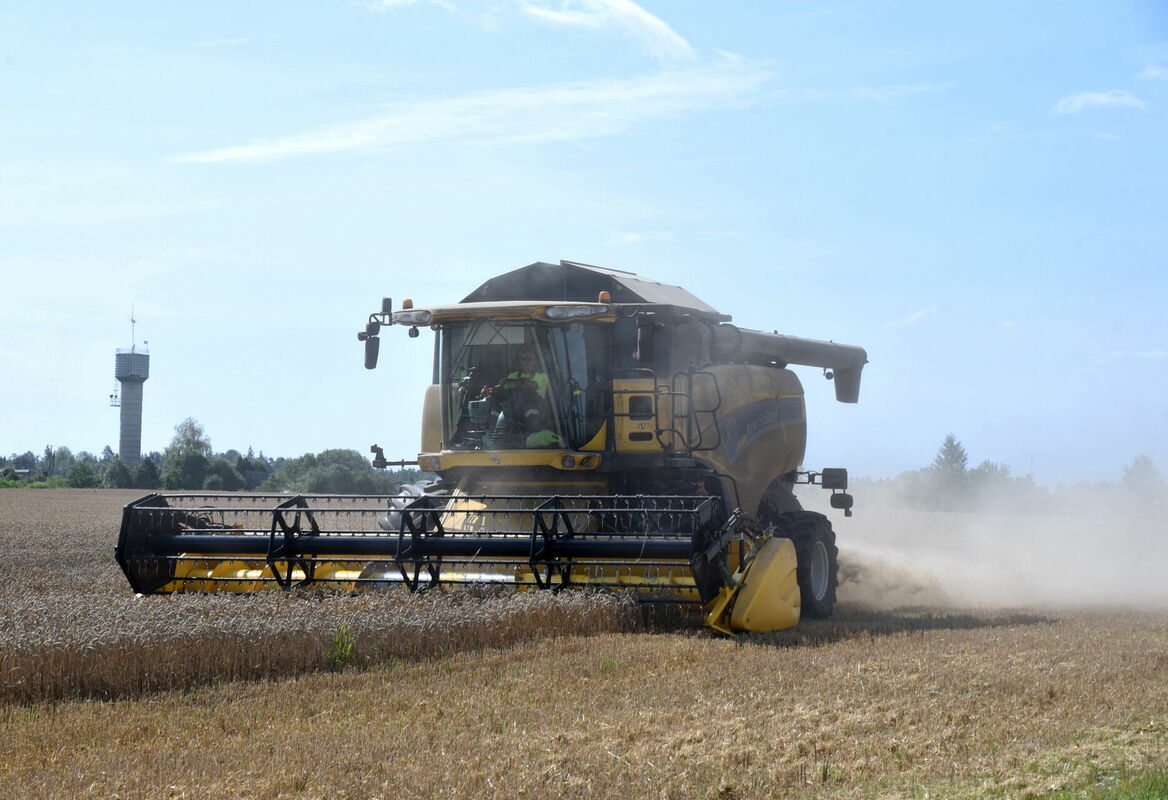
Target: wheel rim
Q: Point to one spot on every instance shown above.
(819, 571)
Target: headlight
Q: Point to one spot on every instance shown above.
(421, 317)
(575, 312)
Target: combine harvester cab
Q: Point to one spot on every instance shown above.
(589, 428)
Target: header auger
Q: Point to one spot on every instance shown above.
(589, 428)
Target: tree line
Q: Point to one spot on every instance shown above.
(950, 484)
(190, 463)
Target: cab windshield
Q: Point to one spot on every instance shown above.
(519, 385)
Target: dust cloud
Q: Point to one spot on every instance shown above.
(895, 558)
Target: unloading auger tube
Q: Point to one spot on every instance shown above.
(665, 548)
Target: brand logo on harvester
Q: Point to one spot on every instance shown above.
(742, 426)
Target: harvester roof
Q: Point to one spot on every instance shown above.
(581, 283)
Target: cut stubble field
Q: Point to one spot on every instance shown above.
(457, 695)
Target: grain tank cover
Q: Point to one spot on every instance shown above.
(581, 283)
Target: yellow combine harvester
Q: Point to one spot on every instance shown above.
(590, 428)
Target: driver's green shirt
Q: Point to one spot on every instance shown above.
(539, 378)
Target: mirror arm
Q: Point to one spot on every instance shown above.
(377, 320)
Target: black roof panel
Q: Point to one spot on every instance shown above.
(574, 282)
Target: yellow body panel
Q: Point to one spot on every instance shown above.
(678, 579)
(769, 597)
(763, 596)
(598, 441)
(634, 435)
(486, 483)
(761, 430)
(432, 419)
(716, 610)
(254, 575)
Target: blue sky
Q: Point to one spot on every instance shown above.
(976, 193)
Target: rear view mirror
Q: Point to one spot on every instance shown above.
(834, 478)
(842, 500)
(372, 348)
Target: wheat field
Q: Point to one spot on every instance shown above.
(73, 628)
(527, 695)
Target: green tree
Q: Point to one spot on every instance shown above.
(117, 475)
(1142, 477)
(107, 454)
(222, 476)
(189, 437)
(410, 475)
(81, 475)
(146, 475)
(339, 479)
(63, 461)
(185, 461)
(944, 484)
(951, 458)
(332, 471)
(184, 470)
(992, 470)
(989, 476)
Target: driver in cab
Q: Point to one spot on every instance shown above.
(528, 377)
(522, 396)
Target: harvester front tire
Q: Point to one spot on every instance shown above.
(817, 569)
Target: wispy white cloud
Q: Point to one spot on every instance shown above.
(1114, 98)
(911, 319)
(654, 33)
(1156, 72)
(551, 113)
(658, 37)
